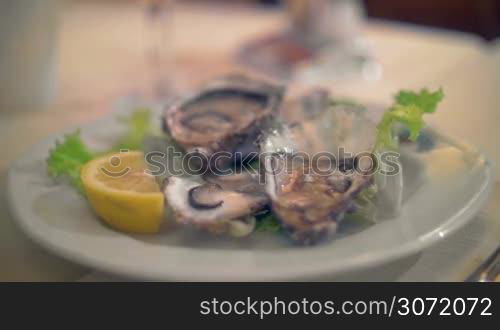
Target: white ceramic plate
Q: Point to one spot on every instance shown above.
(445, 188)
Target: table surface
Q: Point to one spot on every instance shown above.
(101, 56)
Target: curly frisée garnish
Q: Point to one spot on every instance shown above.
(268, 223)
(408, 109)
(139, 125)
(68, 156)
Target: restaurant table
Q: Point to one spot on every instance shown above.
(102, 59)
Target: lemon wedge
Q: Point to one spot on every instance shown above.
(122, 193)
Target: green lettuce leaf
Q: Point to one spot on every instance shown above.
(425, 100)
(67, 158)
(408, 110)
(268, 223)
(139, 125)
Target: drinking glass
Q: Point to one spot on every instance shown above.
(158, 45)
(28, 34)
(333, 28)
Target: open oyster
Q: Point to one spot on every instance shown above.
(218, 204)
(224, 116)
(309, 204)
(310, 194)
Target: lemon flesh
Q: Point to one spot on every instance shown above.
(122, 193)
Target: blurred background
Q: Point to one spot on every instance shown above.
(481, 17)
(80, 58)
(253, 32)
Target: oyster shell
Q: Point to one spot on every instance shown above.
(311, 195)
(318, 124)
(218, 204)
(223, 116)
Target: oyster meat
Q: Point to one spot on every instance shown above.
(223, 116)
(310, 205)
